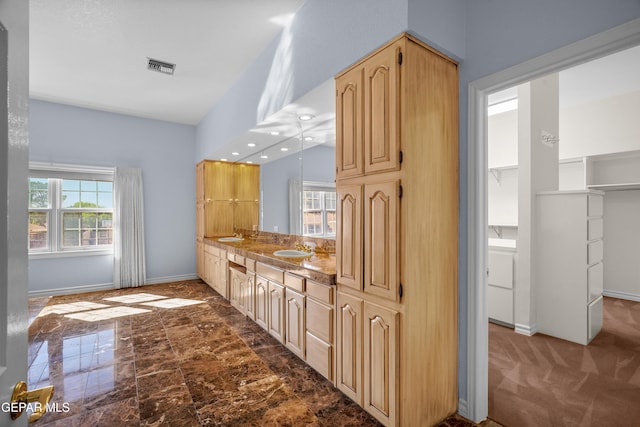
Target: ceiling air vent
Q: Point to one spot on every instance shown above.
(161, 66)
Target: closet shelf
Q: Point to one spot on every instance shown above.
(615, 187)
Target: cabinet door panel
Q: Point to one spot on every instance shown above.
(381, 239)
(381, 91)
(248, 295)
(236, 279)
(349, 236)
(222, 273)
(295, 321)
(276, 314)
(349, 157)
(246, 182)
(380, 362)
(218, 218)
(218, 181)
(262, 307)
(349, 347)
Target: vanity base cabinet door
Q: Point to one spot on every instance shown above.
(381, 363)
(262, 307)
(295, 322)
(349, 347)
(276, 315)
(236, 279)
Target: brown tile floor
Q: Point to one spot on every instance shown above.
(175, 354)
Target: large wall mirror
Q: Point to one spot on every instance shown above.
(295, 149)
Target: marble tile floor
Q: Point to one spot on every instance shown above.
(174, 354)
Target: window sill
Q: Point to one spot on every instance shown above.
(70, 254)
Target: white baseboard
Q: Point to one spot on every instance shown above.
(168, 279)
(622, 295)
(105, 286)
(70, 290)
(526, 329)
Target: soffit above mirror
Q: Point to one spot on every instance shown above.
(287, 131)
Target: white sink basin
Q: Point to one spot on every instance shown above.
(230, 239)
(292, 253)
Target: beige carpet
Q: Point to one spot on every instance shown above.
(543, 381)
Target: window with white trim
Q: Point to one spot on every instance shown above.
(70, 209)
(319, 210)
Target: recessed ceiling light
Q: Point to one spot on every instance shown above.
(284, 149)
(224, 160)
(305, 117)
(264, 156)
(249, 161)
(274, 132)
(251, 144)
(308, 138)
(235, 153)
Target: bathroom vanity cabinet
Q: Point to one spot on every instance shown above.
(396, 246)
(227, 198)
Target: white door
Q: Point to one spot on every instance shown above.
(13, 260)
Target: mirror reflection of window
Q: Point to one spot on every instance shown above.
(319, 210)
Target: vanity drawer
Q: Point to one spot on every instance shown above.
(294, 282)
(320, 356)
(320, 292)
(212, 250)
(233, 257)
(595, 252)
(594, 229)
(269, 272)
(250, 264)
(320, 320)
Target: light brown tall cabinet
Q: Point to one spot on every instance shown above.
(396, 260)
(227, 199)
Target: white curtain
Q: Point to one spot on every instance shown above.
(295, 207)
(128, 240)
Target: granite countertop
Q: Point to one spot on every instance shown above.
(318, 267)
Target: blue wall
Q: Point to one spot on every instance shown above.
(165, 153)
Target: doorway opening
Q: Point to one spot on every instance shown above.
(578, 176)
(617, 39)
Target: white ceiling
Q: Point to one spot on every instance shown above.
(93, 53)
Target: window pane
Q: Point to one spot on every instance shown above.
(71, 185)
(71, 239)
(88, 199)
(71, 221)
(105, 186)
(38, 230)
(105, 200)
(38, 193)
(89, 186)
(331, 223)
(312, 223)
(83, 229)
(330, 200)
(70, 199)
